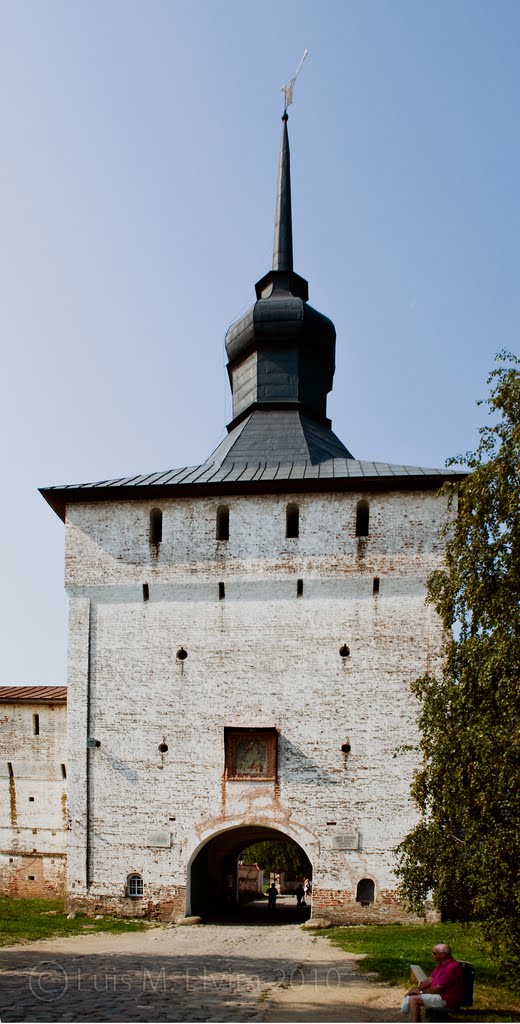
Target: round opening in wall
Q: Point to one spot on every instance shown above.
(344, 651)
(182, 654)
(346, 748)
(163, 747)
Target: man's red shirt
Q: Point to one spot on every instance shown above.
(448, 975)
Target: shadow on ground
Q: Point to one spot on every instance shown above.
(257, 912)
(113, 986)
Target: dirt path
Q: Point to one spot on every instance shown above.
(270, 972)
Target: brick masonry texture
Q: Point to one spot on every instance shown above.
(260, 658)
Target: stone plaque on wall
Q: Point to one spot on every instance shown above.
(345, 840)
(162, 839)
(35, 770)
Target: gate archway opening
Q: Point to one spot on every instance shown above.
(214, 888)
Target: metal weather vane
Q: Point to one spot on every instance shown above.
(288, 89)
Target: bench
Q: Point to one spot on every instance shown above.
(418, 975)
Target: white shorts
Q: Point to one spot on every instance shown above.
(431, 1000)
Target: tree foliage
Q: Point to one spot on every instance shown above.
(466, 848)
(272, 855)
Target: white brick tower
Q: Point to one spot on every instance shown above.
(242, 636)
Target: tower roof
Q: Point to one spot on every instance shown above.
(223, 474)
(281, 353)
(281, 362)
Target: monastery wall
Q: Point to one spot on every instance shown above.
(33, 802)
(259, 656)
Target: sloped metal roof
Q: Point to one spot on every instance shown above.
(270, 451)
(337, 469)
(33, 694)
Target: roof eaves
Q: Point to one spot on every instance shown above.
(237, 477)
(33, 694)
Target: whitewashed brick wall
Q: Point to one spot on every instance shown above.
(33, 807)
(262, 657)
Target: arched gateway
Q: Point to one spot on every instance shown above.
(212, 876)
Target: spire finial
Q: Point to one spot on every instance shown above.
(283, 249)
(288, 89)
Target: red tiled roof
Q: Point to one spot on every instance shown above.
(49, 694)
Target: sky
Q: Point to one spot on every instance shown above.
(138, 152)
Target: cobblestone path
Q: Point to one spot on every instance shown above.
(218, 972)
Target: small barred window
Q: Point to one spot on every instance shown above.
(135, 886)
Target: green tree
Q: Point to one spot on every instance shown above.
(466, 848)
(273, 855)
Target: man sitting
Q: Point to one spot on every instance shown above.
(444, 988)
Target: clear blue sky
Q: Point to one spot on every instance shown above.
(139, 145)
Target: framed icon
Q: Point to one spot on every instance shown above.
(251, 754)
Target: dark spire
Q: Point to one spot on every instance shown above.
(281, 355)
(283, 247)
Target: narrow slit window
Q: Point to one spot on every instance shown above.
(156, 518)
(292, 521)
(375, 585)
(362, 518)
(63, 772)
(146, 592)
(221, 591)
(299, 588)
(222, 531)
(10, 770)
(36, 725)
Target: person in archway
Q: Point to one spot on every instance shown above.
(299, 893)
(272, 893)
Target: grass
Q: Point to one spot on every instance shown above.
(390, 949)
(26, 920)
